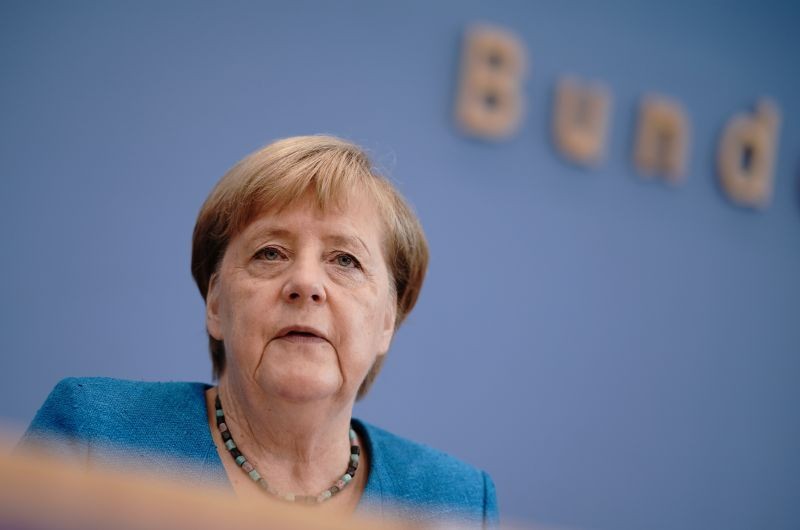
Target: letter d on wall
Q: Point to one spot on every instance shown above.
(746, 155)
(489, 103)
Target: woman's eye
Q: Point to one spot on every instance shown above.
(346, 260)
(270, 254)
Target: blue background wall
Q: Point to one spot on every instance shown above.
(617, 353)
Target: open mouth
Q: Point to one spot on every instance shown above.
(301, 335)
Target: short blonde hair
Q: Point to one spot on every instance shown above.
(279, 174)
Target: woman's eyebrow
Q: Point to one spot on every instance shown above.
(336, 239)
(263, 233)
(352, 241)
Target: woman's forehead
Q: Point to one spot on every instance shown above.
(355, 221)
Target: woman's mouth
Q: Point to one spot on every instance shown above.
(302, 337)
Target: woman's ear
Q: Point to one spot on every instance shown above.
(213, 321)
(387, 331)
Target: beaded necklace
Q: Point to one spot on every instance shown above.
(248, 468)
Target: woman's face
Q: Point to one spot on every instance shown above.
(302, 301)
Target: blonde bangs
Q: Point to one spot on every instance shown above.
(281, 173)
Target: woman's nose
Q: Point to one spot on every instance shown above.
(304, 283)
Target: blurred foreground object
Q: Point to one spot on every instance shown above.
(39, 491)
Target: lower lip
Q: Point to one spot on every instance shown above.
(303, 339)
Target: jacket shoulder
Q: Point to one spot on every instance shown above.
(86, 411)
(416, 476)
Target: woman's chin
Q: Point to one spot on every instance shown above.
(302, 387)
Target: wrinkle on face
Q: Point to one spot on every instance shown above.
(358, 304)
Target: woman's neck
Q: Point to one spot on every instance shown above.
(299, 448)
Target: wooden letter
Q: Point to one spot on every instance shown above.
(489, 103)
(580, 121)
(662, 139)
(746, 155)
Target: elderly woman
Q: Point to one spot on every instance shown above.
(308, 262)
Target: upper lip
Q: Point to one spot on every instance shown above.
(301, 329)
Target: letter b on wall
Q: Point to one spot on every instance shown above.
(490, 103)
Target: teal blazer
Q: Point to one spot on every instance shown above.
(159, 424)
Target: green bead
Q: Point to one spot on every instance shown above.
(352, 435)
(354, 458)
(346, 477)
(220, 413)
(240, 460)
(230, 445)
(254, 475)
